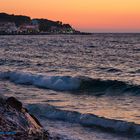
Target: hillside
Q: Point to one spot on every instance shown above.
(17, 19)
(44, 25)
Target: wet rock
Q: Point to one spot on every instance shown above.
(16, 123)
(36, 120)
(13, 102)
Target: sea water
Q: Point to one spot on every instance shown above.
(76, 84)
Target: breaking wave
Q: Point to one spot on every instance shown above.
(88, 120)
(68, 83)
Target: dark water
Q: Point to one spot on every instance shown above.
(97, 74)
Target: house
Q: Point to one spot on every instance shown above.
(35, 22)
(28, 29)
(8, 27)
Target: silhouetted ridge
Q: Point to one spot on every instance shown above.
(17, 19)
(44, 25)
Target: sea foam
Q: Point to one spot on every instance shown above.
(69, 83)
(62, 83)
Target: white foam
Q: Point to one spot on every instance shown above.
(69, 83)
(62, 83)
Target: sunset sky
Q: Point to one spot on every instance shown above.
(84, 15)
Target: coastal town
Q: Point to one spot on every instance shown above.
(11, 28)
(26, 25)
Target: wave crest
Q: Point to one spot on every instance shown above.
(68, 83)
(88, 120)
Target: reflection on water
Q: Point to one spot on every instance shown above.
(116, 107)
(98, 56)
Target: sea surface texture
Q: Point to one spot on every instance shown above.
(76, 84)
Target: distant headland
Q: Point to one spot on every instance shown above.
(24, 25)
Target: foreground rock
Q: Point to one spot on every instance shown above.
(16, 123)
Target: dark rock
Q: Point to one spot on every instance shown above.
(16, 119)
(37, 121)
(13, 102)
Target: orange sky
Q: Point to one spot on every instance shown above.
(85, 15)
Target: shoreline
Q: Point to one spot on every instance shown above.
(48, 34)
(66, 34)
(38, 34)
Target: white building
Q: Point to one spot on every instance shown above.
(8, 27)
(28, 29)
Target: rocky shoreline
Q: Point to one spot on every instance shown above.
(16, 123)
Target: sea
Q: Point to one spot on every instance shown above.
(80, 87)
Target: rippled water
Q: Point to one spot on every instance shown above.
(104, 58)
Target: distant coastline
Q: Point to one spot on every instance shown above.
(81, 33)
(24, 25)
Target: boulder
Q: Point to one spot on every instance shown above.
(16, 123)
